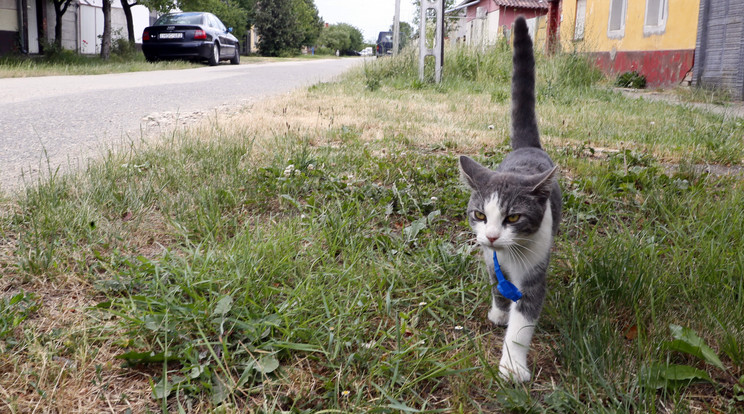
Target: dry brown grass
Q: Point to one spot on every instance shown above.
(65, 367)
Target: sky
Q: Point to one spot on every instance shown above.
(369, 16)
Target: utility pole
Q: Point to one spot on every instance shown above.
(396, 28)
(433, 9)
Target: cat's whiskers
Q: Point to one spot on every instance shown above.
(519, 255)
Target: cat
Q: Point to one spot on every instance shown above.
(514, 211)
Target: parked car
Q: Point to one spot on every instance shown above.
(384, 44)
(367, 51)
(192, 36)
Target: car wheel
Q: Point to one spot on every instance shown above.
(214, 60)
(236, 58)
(151, 59)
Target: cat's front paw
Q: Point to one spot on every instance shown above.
(498, 316)
(513, 371)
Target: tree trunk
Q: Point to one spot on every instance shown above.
(60, 7)
(106, 38)
(130, 22)
(57, 26)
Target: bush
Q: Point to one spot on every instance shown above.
(322, 50)
(123, 48)
(631, 80)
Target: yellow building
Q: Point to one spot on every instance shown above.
(653, 37)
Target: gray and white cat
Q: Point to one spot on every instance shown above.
(514, 211)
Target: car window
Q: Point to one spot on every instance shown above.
(179, 19)
(217, 23)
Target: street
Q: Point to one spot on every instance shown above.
(64, 121)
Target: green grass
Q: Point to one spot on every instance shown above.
(73, 64)
(123, 59)
(308, 268)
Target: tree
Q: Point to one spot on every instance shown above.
(309, 23)
(342, 37)
(277, 26)
(126, 6)
(60, 7)
(405, 34)
(106, 37)
(230, 12)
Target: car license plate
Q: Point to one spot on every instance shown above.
(171, 35)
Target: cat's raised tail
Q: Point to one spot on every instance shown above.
(524, 121)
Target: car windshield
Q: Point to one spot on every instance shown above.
(179, 19)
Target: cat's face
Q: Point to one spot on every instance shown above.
(506, 210)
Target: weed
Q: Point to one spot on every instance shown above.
(631, 80)
(14, 310)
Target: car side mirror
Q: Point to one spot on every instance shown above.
(229, 30)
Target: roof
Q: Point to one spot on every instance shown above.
(520, 4)
(523, 4)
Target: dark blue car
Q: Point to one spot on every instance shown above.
(384, 44)
(190, 36)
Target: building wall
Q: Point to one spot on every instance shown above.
(664, 57)
(488, 5)
(82, 24)
(8, 26)
(719, 55)
(680, 33)
(509, 14)
(482, 32)
(69, 25)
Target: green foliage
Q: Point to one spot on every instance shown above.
(631, 80)
(161, 6)
(286, 25)
(372, 80)
(276, 25)
(14, 310)
(124, 49)
(343, 37)
(405, 35)
(230, 12)
(670, 376)
(309, 23)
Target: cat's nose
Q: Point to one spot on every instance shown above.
(492, 239)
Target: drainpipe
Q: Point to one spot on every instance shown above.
(554, 22)
(21, 6)
(78, 28)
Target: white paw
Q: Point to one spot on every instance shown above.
(514, 371)
(498, 316)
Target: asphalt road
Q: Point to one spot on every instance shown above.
(67, 120)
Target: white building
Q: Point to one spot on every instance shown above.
(22, 22)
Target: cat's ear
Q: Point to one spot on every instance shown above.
(545, 182)
(471, 172)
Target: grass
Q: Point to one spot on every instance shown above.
(311, 253)
(123, 59)
(68, 63)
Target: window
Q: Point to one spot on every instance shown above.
(656, 16)
(580, 22)
(616, 23)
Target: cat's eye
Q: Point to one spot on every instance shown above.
(479, 216)
(513, 218)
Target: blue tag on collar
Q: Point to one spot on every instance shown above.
(505, 287)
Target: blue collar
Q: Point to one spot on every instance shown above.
(505, 287)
